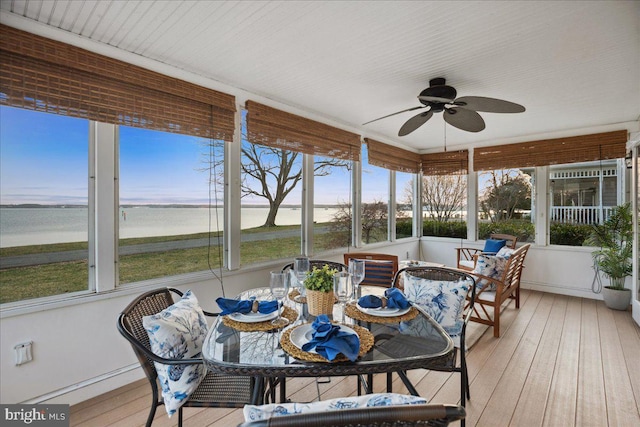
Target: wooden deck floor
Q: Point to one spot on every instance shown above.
(561, 361)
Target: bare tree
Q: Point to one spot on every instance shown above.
(374, 217)
(442, 195)
(271, 173)
(506, 191)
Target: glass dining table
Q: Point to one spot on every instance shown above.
(389, 343)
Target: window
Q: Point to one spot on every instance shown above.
(333, 206)
(375, 201)
(168, 223)
(444, 199)
(404, 204)
(44, 195)
(271, 203)
(581, 194)
(505, 203)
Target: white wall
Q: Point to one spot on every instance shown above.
(562, 270)
(77, 350)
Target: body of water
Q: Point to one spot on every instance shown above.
(33, 226)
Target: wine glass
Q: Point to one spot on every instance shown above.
(301, 268)
(343, 288)
(356, 269)
(279, 285)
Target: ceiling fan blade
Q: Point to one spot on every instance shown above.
(414, 123)
(393, 114)
(464, 119)
(435, 99)
(489, 105)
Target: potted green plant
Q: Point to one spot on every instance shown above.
(615, 241)
(319, 286)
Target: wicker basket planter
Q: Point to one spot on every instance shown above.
(320, 302)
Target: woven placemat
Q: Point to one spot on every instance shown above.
(366, 342)
(287, 312)
(352, 311)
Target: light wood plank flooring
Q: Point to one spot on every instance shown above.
(561, 361)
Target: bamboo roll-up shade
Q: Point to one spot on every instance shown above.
(276, 128)
(575, 149)
(446, 163)
(393, 158)
(46, 75)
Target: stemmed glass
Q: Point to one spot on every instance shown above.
(301, 268)
(356, 269)
(343, 288)
(279, 285)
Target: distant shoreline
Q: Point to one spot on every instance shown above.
(151, 205)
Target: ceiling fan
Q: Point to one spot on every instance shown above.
(459, 112)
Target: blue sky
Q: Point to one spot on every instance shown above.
(44, 159)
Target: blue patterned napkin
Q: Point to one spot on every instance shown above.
(329, 341)
(395, 299)
(229, 305)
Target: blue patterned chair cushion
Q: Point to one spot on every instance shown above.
(490, 266)
(443, 300)
(505, 252)
(177, 332)
(263, 412)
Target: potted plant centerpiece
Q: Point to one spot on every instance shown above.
(613, 258)
(319, 286)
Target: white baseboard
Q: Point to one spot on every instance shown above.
(92, 387)
(561, 290)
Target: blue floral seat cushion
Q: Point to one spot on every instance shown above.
(177, 332)
(263, 412)
(444, 301)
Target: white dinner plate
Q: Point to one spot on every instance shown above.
(384, 312)
(304, 333)
(253, 317)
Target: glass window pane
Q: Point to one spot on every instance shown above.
(404, 204)
(44, 197)
(166, 223)
(444, 199)
(332, 204)
(505, 203)
(271, 203)
(581, 194)
(375, 201)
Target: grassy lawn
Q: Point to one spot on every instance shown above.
(22, 283)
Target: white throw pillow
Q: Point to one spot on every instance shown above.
(264, 412)
(177, 332)
(443, 300)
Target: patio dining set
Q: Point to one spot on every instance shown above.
(399, 316)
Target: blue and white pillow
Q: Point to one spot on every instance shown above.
(177, 332)
(444, 301)
(505, 252)
(490, 266)
(264, 412)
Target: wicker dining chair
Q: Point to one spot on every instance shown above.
(450, 275)
(215, 390)
(426, 414)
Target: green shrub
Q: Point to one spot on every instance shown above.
(456, 229)
(568, 234)
(404, 228)
(524, 230)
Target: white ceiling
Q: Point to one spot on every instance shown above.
(573, 65)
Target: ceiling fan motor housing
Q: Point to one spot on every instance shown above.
(438, 89)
